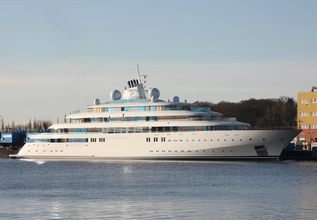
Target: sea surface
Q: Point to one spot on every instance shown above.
(157, 190)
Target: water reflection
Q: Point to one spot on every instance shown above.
(138, 190)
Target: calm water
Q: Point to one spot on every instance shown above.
(157, 190)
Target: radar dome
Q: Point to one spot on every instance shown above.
(97, 101)
(155, 93)
(115, 95)
(176, 99)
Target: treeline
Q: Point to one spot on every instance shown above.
(31, 126)
(260, 113)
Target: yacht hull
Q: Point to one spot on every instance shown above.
(204, 145)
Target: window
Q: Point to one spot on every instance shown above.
(102, 139)
(313, 126)
(163, 139)
(130, 130)
(145, 130)
(155, 139)
(304, 126)
(303, 114)
(304, 101)
(93, 139)
(148, 139)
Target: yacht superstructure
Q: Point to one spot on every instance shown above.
(138, 125)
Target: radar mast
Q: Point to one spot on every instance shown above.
(139, 77)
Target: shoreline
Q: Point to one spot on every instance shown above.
(4, 153)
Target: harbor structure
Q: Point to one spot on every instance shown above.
(13, 139)
(307, 117)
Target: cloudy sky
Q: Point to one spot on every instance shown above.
(56, 56)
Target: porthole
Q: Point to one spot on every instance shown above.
(225, 139)
(250, 139)
(211, 140)
(232, 139)
(264, 139)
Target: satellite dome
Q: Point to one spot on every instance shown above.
(115, 95)
(155, 93)
(97, 101)
(176, 99)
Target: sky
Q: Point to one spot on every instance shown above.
(57, 56)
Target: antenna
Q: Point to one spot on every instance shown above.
(139, 77)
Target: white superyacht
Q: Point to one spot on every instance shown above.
(138, 125)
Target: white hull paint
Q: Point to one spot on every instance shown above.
(204, 145)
